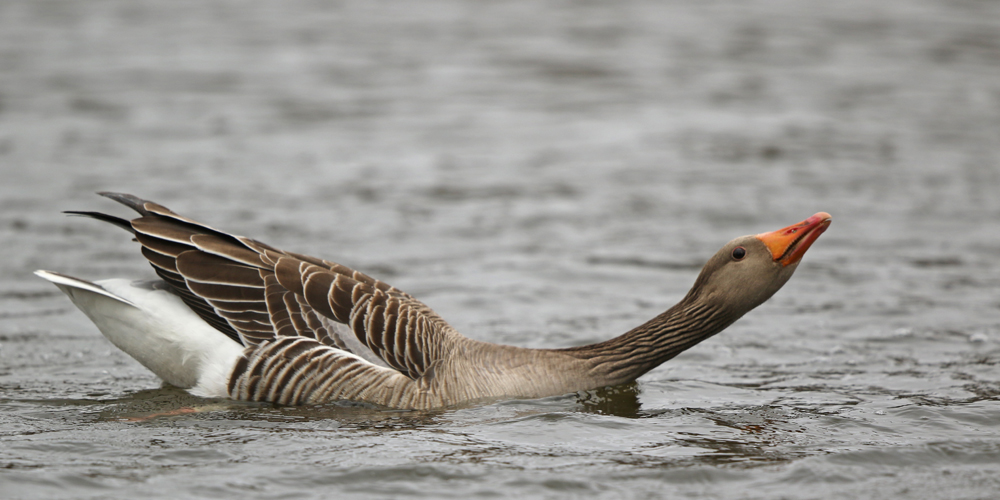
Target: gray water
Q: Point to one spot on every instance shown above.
(543, 174)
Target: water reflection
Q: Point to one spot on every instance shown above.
(620, 401)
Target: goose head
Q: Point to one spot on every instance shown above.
(750, 269)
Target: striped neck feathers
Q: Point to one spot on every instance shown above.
(625, 358)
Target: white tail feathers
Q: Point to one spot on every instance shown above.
(157, 329)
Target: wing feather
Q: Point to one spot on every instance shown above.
(403, 332)
(265, 297)
(229, 293)
(206, 268)
(225, 249)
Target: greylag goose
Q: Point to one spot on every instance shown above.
(236, 318)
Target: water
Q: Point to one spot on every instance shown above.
(543, 174)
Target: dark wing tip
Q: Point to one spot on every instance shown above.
(133, 202)
(118, 221)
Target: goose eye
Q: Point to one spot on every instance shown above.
(739, 253)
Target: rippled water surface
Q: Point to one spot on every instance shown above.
(543, 174)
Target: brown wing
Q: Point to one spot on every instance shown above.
(256, 293)
(400, 330)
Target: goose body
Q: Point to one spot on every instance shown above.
(233, 317)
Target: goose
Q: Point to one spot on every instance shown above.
(232, 317)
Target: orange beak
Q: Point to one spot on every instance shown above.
(788, 245)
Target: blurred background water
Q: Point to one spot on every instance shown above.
(543, 174)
